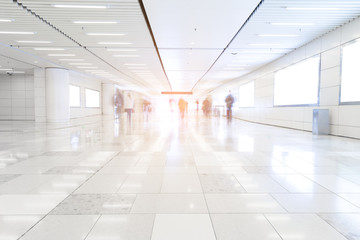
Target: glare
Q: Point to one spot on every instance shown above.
(92, 98)
(297, 84)
(246, 95)
(74, 96)
(350, 73)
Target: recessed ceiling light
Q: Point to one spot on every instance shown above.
(29, 41)
(6, 20)
(311, 8)
(122, 55)
(61, 55)
(291, 24)
(49, 49)
(82, 64)
(277, 35)
(135, 64)
(120, 50)
(20, 33)
(78, 6)
(263, 44)
(95, 22)
(114, 43)
(83, 67)
(106, 34)
(71, 60)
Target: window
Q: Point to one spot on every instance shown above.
(246, 95)
(74, 96)
(350, 73)
(298, 84)
(92, 98)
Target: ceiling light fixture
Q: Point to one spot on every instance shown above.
(78, 6)
(122, 55)
(311, 8)
(291, 24)
(83, 67)
(49, 49)
(277, 35)
(6, 69)
(80, 64)
(20, 33)
(29, 41)
(6, 20)
(106, 34)
(114, 43)
(120, 50)
(95, 22)
(71, 60)
(61, 55)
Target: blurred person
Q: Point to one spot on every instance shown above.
(197, 105)
(206, 107)
(182, 107)
(128, 105)
(229, 100)
(118, 103)
(146, 109)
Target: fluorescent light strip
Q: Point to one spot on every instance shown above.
(6, 20)
(83, 64)
(79, 6)
(120, 50)
(122, 55)
(264, 44)
(61, 55)
(6, 69)
(71, 60)
(113, 43)
(26, 41)
(87, 67)
(135, 64)
(277, 35)
(15, 71)
(291, 24)
(106, 34)
(311, 8)
(95, 22)
(20, 33)
(49, 49)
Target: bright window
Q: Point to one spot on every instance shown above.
(350, 73)
(246, 95)
(298, 84)
(74, 96)
(92, 98)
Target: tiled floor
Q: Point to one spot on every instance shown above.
(192, 179)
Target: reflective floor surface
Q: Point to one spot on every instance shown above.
(168, 178)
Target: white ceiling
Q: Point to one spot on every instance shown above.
(163, 45)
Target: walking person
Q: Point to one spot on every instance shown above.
(229, 100)
(128, 105)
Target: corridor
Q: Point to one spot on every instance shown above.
(168, 178)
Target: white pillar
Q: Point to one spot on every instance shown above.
(57, 95)
(108, 98)
(39, 95)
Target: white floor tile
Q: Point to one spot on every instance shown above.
(242, 203)
(315, 203)
(100, 183)
(183, 226)
(181, 184)
(169, 203)
(303, 227)
(118, 227)
(243, 226)
(142, 184)
(13, 227)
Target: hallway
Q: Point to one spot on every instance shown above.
(167, 179)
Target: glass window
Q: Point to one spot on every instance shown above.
(74, 96)
(92, 98)
(298, 84)
(246, 95)
(350, 73)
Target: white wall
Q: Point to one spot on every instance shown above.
(344, 119)
(17, 97)
(85, 82)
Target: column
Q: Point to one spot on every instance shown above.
(108, 98)
(57, 95)
(39, 95)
